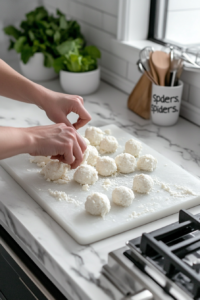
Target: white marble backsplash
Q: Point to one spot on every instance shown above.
(73, 268)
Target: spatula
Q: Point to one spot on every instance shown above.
(161, 62)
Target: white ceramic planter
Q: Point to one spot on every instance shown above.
(165, 104)
(84, 83)
(35, 69)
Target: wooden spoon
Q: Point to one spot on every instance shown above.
(161, 64)
(152, 70)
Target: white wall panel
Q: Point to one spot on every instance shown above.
(108, 6)
(133, 73)
(86, 14)
(186, 89)
(110, 24)
(113, 63)
(194, 96)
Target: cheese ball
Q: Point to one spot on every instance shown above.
(108, 144)
(93, 155)
(126, 163)
(55, 170)
(147, 162)
(133, 147)
(122, 196)
(106, 166)
(85, 174)
(142, 183)
(97, 204)
(94, 135)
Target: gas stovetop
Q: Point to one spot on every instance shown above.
(163, 264)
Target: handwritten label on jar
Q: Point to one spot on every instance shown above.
(158, 104)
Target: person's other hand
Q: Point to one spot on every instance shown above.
(58, 141)
(58, 106)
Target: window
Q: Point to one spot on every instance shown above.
(175, 22)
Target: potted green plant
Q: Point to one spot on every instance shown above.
(78, 67)
(36, 41)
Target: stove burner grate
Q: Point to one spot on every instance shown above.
(175, 251)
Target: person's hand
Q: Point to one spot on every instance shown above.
(58, 106)
(58, 141)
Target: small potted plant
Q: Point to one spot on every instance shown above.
(36, 41)
(78, 67)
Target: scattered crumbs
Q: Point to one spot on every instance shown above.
(107, 131)
(141, 205)
(48, 179)
(85, 187)
(62, 196)
(106, 184)
(134, 214)
(165, 165)
(183, 191)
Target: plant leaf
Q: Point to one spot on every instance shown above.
(11, 30)
(11, 45)
(56, 37)
(41, 47)
(48, 60)
(49, 32)
(19, 44)
(30, 16)
(58, 64)
(88, 64)
(65, 47)
(26, 53)
(40, 13)
(73, 62)
(63, 22)
(31, 35)
(59, 13)
(92, 51)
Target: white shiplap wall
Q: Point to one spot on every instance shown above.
(98, 19)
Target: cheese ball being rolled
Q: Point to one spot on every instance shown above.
(133, 147)
(41, 161)
(106, 166)
(126, 163)
(108, 144)
(93, 155)
(55, 170)
(97, 204)
(123, 196)
(94, 135)
(147, 162)
(142, 183)
(85, 174)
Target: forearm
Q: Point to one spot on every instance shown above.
(15, 86)
(13, 141)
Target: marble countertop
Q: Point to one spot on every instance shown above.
(75, 269)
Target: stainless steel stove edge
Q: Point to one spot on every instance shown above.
(131, 282)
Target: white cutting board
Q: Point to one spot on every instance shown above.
(85, 228)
